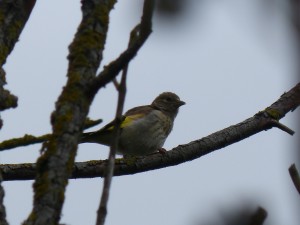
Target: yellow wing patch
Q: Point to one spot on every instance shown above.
(127, 121)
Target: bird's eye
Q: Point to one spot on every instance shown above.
(168, 99)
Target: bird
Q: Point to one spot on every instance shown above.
(143, 129)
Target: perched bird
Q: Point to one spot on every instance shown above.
(144, 129)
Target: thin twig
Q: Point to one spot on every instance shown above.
(91, 123)
(112, 70)
(116, 84)
(282, 127)
(102, 210)
(26, 140)
(295, 176)
(29, 139)
(121, 88)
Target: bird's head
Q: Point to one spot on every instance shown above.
(168, 102)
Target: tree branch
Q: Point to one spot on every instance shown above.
(112, 70)
(180, 154)
(2, 207)
(29, 139)
(7, 100)
(13, 17)
(26, 140)
(102, 210)
(295, 176)
(55, 165)
(283, 127)
(121, 88)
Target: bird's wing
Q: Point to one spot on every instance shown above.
(103, 136)
(130, 116)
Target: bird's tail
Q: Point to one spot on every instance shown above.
(103, 138)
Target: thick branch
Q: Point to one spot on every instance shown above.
(193, 150)
(55, 166)
(13, 17)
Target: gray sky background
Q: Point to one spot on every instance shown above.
(227, 59)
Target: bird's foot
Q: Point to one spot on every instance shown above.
(162, 151)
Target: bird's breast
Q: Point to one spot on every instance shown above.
(145, 135)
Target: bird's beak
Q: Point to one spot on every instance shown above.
(180, 103)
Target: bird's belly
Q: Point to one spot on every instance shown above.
(149, 137)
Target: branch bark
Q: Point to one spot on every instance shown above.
(55, 165)
(13, 17)
(261, 121)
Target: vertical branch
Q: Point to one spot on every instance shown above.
(2, 207)
(13, 17)
(135, 34)
(295, 20)
(102, 210)
(55, 166)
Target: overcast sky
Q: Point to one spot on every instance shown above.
(227, 60)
